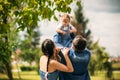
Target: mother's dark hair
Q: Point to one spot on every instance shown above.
(48, 49)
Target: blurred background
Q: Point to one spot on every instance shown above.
(24, 24)
(104, 21)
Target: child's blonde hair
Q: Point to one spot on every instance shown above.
(65, 16)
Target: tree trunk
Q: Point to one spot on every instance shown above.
(9, 73)
(7, 64)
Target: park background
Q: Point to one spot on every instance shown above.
(104, 21)
(100, 20)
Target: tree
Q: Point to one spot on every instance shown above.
(99, 58)
(30, 47)
(80, 22)
(7, 46)
(24, 14)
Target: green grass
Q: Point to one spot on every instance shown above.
(33, 75)
(25, 75)
(100, 75)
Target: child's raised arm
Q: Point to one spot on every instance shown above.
(72, 29)
(60, 31)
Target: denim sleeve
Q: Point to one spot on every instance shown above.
(84, 57)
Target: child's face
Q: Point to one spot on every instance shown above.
(65, 22)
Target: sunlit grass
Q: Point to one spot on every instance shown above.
(101, 75)
(116, 65)
(25, 75)
(33, 75)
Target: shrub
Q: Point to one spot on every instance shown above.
(27, 68)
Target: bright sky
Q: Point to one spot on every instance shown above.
(104, 22)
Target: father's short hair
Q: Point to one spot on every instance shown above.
(79, 43)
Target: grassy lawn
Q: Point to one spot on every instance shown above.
(101, 76)
(25, 75)
(32, 75)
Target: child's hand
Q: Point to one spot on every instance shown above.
(63, 32)
(71, 31)
(65, 51)
(58, 50)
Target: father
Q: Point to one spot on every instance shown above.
(80, 57)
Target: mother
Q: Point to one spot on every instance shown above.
(50, 61)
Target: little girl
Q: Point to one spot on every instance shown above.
(65, 32)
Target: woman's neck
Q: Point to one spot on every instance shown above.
(56, 57)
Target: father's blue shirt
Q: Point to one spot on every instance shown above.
(80, 63)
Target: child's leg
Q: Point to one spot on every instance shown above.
(68, 44)
(57, 38)
(59, 45)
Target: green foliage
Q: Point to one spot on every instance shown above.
(27, 68)
(99, 58)
(8, 42)
(2, 68)
(108, 67)
(18, 15)
(79, 13)
(30, 51)
(81, 22)
(30, 54)
(27, 13)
